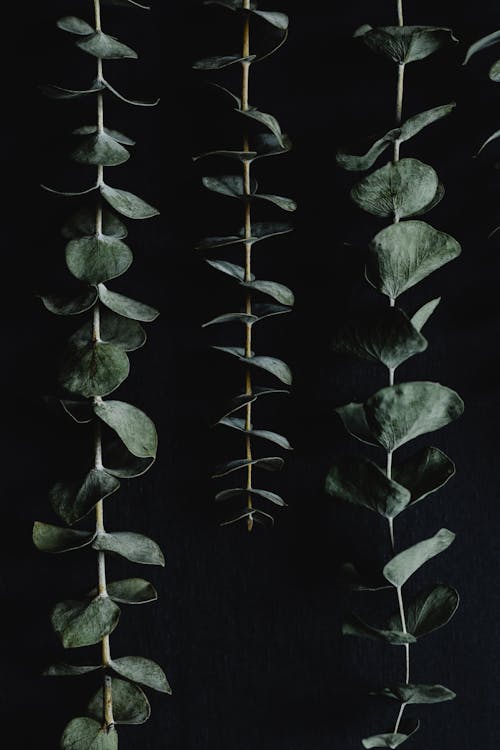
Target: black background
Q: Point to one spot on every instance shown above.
(248, 626)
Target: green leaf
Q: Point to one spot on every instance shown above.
(69, 670)
(403, 254)
(114, 134)
(230, 185)
(132, 591)
(130, 705)
(84, 623)
(74, 500)
(386, 336)
(121, 463)
(59, 92)
(418, 693)
(424, 472)
(143, 671)
(279, 292)
(401, 413)
(278, 20)
(260, 231)
(420, 318)
(83, 224)
(494, 71)
(405, 44)
(105, 47)
(430, 610)
(99, 258)
(74, 25)
(415, 124)
(406, 563)
(128, 308)
(221, 61)
(100, 149)
(95, 369)
(80, 411)
(397, 190)
(134, 102)
(230, 269)
(69, 304)
(353, 417)
(232, 318)
(236, 491)
(276, 367)
(355, 626)
(86, 734)
(239, 425)
(350, 576)
(265, 119)
(286, 204)
(134, 547)
(127, 204)
(481, 44)
(127, 334)
(272, 463)
(361, 482)
(48, 538)
(132, 426)
(392, 739)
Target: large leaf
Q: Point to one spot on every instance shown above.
(125, 333)
(127, 204)
(355, 626)
(481, 44)
(424, 472)
(86, 734)
(405, 44)
(128, 308)
(134, 428)
(74, 500)
(386, 336)
(96, 369)
(419, 693)
(83, 623)
(48, 538)
(392, 739)
(98, 258)
(403, 254)
(430, 610)
(134, 547)
(402, 412)
(105, 47)
(143, 671)
(403, 565)
(361, 482)
(100, 149)
(130, 705)
(397, 190)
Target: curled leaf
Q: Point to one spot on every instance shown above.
(72, 501)
(95, 369)
(83, 623)
(405, 44)
(133, 427)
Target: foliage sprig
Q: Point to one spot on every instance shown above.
(122, 439)
(263, 299)
(400, 256)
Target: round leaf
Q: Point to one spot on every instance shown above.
(74, 500)
(80, 623)
(128, 308)
(96, 369)
(125, 333)
(133, 427)
(130, 705)
(405, 44)
(83, 224)
(86, 734)
(143, 671)
(134, 547)
(99, 258)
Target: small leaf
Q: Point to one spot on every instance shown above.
(100, 149)
(74, 25)
(357, 627)
(96, 369)
(121, 463)
(264, 494)
(424, 472)
(265, 119)
(83, 224)
(286, 204)
(127, 334)
(273, 463)
(221, 61)
(132, 591)
(481, 44)
(232, 318)
(415, 124)
(230, 269)
(114, 134)
(48, 538)
(361, 482)
(386, 336)
(273, 437)
(105, 47)
(69, 304)
(397, 190)
(405, 44)
(276, 367)
(132, 426)
(420, 318)
(130, 705)
(349, 576)
(80, 623)
(74, 500)
(278, 20)
(392, 739)
(232, 186)
(143, 671)
(430, 610)
(127, 204)
(134, 102)
(403, 254)
(128, 308)
(267, 145)
(134, 547)
(98, 258)
(59, 92)
(250, 516)
(279, 292)
(86, 734)
(413, 694)
(69, 670)
(406, 563)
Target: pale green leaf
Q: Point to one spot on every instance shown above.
(83, 623)
(98, 258)
(128, 308)
(406, 563)
(86, 734)
(132, 426)
(74, 25)
(69, 670)
(130, 705)
(134, 547)
(143, 671)
(420, 318)
(96, 369)
(481, 44)
(105, 47)
(392, 739)
(125, 333)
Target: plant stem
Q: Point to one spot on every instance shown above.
(400, 86)
(248, 257)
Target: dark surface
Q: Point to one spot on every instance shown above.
(247, 626)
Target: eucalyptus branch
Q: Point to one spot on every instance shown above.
(400, 256)
(124, 439)
(245, 189)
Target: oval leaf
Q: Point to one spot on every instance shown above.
(128, 308)
(80, 623)
(424, 472)
(403, 566)
(74, 500)
(134, 428)
(86, 734)
(430, 610)
(143, 671)
(99, 258)
(95, 369)
(48, 538)
(130, 705)
(405, 44)
(127, 204)
(134, 547)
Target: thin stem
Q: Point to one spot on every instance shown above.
(401, 21)
(399, 106)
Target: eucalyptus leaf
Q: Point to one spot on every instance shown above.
(405, 44)
(278, 20)
(119, 462)
(406, 563)
(83, 623)
(86, 734)
(221, 61)
(230, 269)
(260, 231)
(424, 472)
(355, 626)
(134, 547)
(74, 25)
(399, 189)
(132, 426)
(134, 102)
(420, 318)
(72, 501)
(232, 318)
(429, 611)
(349, 576)
(80, 411)
(116, 135)
(386, 336)
(275, 366)
(48, 538)
(70, 304)
(414, 694)
(132, 591)
(273, 437)
(279, 292)
(100, 149)
(250, 516)
(403, 254)
(83, 224)
(481, 44)
(232, 186)
(141, 670)
(105, 47)
(98, 258)
(392, 739)
(265, 119)
(127, 204)
(128, 308)
(494, 71)
(264, 494)
(95, 369)
(361, 482)
(273, 463)
(130, 705)
(286, 204)
(267, 145)
(69, 670)
(59, 92)
(125, 333)
(128, 4)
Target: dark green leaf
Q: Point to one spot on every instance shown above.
(74, 25)
(86, 734)
(132, 591)
(270, 122)
(419, 693)
(132, 426)
(276, 367)
(424, 472)
(59, 92)
(130, 705)
(83, 224)
(231, 185)
(83, 623)
(406, 563)
(232, 318)
(69, 304)
(279, 292)
(74, 500)
(143, 671)
(48, 538)
(105, 47)
(403, 254)
(361, 482)
(286, 204)
(69, 670)
(405, 44)
(354, 418)
(221, 61)
(114, 134)
(430, 610)
(349, 576)
(250, 516)
(278, 20)
(115, 329)
(273, 437)
(98, 258)
(264, 494)
(357, 627)
(80, 411)
(96, 369)
(127, 204)
(134, 547)
(128, 308)
(392, 739)
(100, 149)
(273, 463)
(260, 231)
(119, 462)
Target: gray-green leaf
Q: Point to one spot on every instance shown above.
(355, 626)
(430, 610)
(83, 223)
(405, 44)
(144, 671)
(420, 318)
(424, 472)
(68, 304)
(95, 369)
(48, 538)
(130, 705)
(74, 25)
(481, 44)
(74, 500)
(419, 693)
(133, 427)
(100, 149)
(86, 734)
(80, 623)
(98, 258)
(125, 333)
(406, 563)
(134, 547)
(128, 308)
(392, 739)
(105, 47)
(128, 204)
